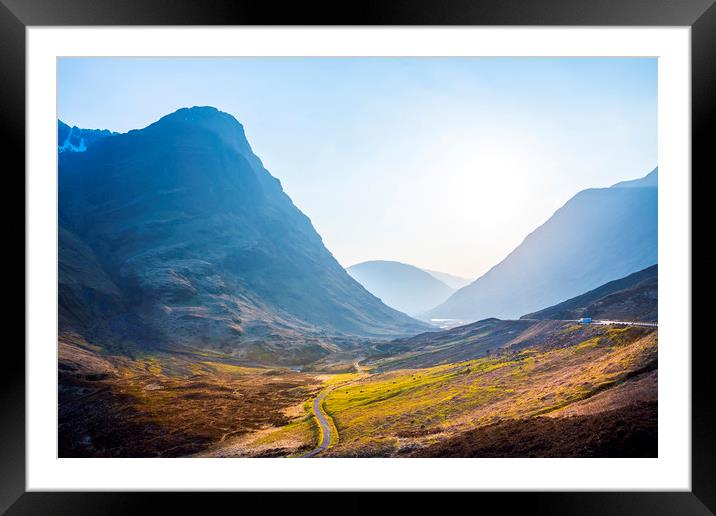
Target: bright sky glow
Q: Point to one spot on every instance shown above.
(443, 163)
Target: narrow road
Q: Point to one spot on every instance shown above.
(603, 322)
(322, 417)
(327, 436)
(356, 365)
(600, 322)
(626, 323)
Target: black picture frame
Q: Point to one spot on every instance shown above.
(17, 15)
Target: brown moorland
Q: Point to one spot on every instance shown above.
(540, 396)
(167, 406)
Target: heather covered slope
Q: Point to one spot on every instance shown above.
(633, 298)
(401, 286)
(192, 242)
(599, 235)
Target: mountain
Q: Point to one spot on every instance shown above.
(402, 286)
(452, 281)
(599, 235)
(633, 298)
(176, 235)
(74, 139)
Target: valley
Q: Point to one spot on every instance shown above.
(201, 315)
(544, 379)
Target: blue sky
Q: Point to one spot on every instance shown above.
(444, 163)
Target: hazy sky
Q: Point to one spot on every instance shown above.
(443, 163)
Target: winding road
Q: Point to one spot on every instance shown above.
(326, 434)
(322, 417)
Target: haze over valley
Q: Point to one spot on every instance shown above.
(404, 287)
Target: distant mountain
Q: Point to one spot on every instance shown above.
(599, 235)
(176, 235)
(452, 281)
(633, 298)
(401, 286)
(74, 139)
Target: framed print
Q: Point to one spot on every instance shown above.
(420, 249)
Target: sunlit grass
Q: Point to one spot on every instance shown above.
(302, 430)
(231, 369)
(421, 402)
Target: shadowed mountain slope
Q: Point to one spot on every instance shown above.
(634, 298)
(190, 241)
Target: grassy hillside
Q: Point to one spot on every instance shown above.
(398, 412)
(453, 345)
(477, 340)
(628, 431)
